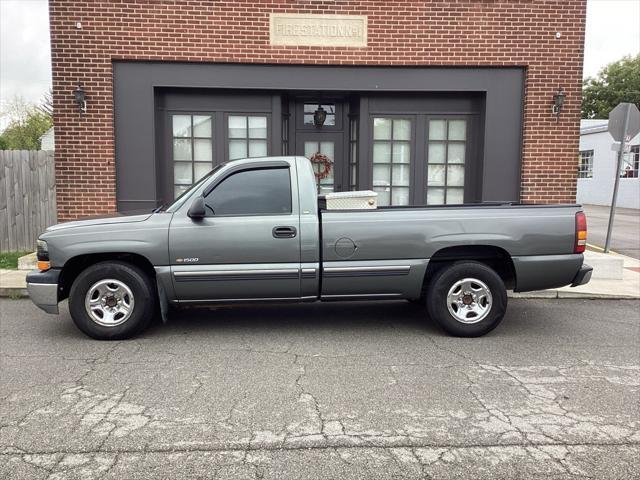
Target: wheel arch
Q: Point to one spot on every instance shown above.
(75, 265)
(494, 257)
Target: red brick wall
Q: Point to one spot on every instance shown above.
(429, 33)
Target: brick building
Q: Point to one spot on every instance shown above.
(423, 101)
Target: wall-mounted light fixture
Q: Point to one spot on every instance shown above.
(558, 102)
(319, 116)
(80, 98)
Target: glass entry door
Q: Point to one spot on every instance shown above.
(326, 151)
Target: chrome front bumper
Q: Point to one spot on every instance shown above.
(43, 289)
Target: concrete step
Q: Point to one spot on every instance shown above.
(28, 262)
(606, 266)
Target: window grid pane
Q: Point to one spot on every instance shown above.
(202, 126)
(392, 160)
(202, 151)
(181, 126)
(446, 148)
(257, 148)
(192, 149)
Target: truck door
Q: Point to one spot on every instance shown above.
(248, 245)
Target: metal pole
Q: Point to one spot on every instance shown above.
(612, 213)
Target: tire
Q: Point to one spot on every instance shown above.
(122, 303)
(467, 299)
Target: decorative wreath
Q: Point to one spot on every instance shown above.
(322, 160)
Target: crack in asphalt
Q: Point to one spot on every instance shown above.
(276, 446)
(420, 458)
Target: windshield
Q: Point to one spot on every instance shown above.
(178, 201)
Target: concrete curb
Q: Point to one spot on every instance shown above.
(556, 294)
(8, 292)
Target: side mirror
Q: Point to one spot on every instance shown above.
(197, 209)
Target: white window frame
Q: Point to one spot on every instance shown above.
(585, 157)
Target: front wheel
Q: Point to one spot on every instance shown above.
(467, 299)
(112, 300)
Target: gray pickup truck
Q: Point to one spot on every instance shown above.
(251, 230)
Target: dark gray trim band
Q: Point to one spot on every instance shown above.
(244, 300)
(387, 271)
(231, 275)
(361, 296)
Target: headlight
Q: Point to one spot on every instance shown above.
(42, 251)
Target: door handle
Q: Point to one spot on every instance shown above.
(284, 232)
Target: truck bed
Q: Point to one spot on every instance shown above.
(356, 241)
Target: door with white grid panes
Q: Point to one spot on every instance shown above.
(446, 159)
(392, 145)
(192, 149)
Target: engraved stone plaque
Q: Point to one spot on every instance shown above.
(293, 29)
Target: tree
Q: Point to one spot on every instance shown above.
(617, 82)
(46, 104)
(26, 124)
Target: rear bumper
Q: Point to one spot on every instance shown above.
(541, 272)
(43, 289)
(583, 276)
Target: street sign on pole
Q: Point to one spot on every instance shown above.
(615, 146)
(617, 119)
(624, 124)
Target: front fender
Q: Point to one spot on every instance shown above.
(148, 239)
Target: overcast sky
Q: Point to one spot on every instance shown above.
(613, 30)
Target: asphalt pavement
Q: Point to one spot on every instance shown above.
(324, 391)
(625, 238)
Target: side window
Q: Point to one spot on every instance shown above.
(265, 191)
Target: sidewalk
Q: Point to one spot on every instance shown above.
(628, 287)
(12, 284)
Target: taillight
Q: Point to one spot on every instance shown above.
(581, 233)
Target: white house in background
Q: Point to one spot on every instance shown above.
(597, 165)
(47, 140)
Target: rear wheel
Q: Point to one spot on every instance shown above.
(112, 301)
(467, 299)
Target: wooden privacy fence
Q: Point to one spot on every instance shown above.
(27, 197)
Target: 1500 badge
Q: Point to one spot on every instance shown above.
(188, 260)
